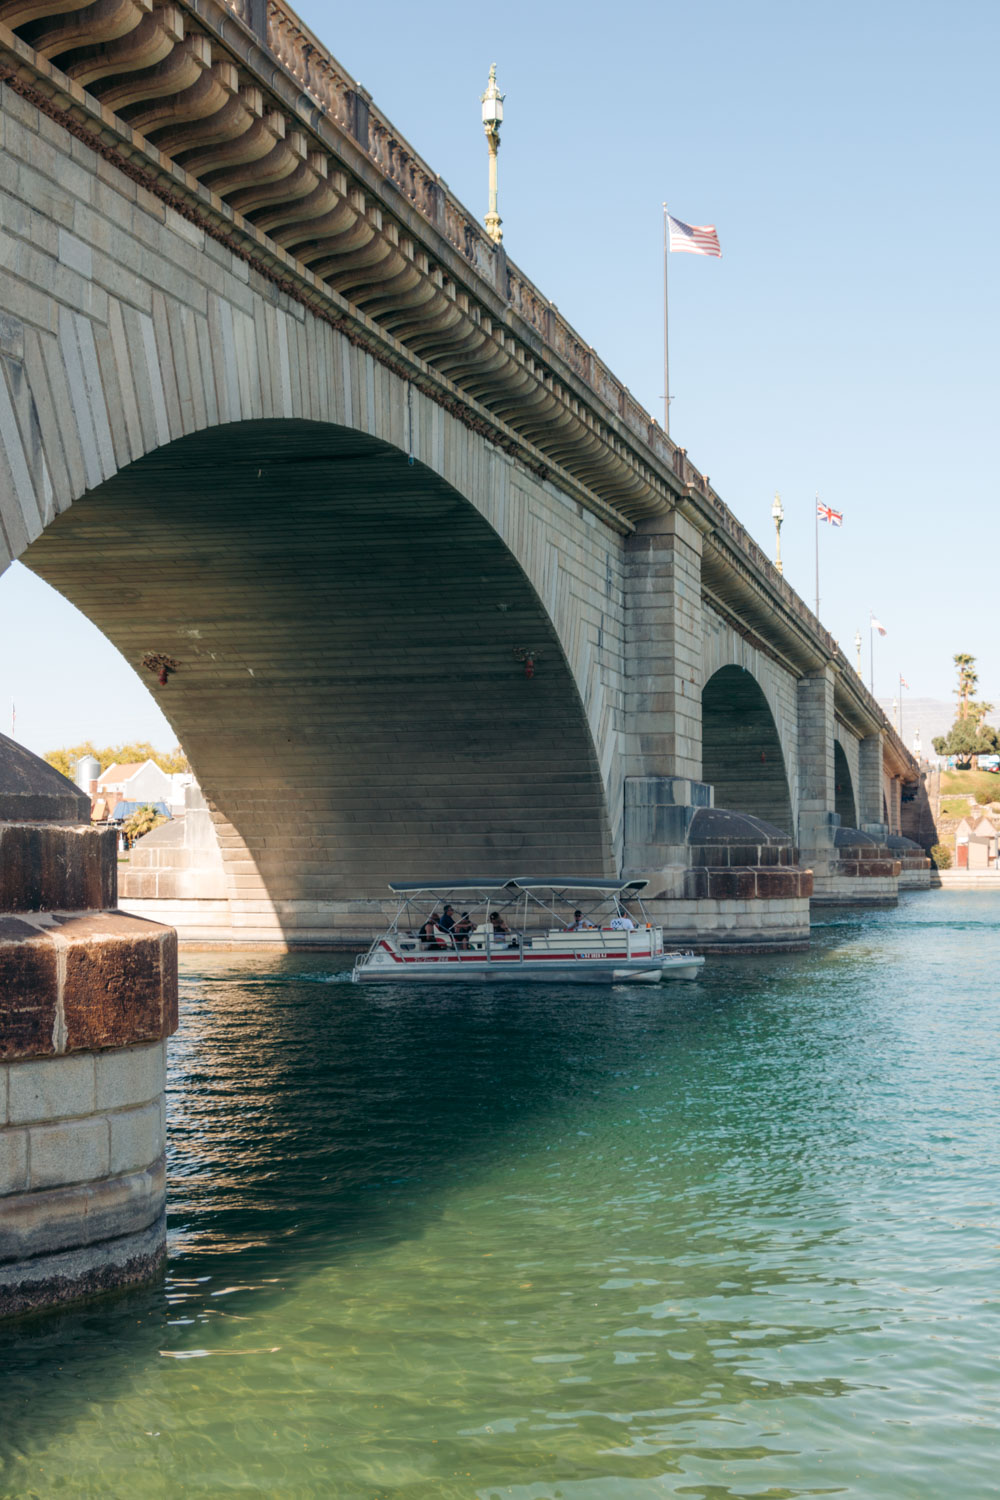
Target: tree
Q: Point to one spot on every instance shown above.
(138, 750)
(968, 681)
(142, 821)
(977, 711)
(966, 739)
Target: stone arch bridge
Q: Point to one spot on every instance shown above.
(275, 408)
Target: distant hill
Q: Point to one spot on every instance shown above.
(932, 716)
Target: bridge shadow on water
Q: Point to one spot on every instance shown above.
(313, 1123)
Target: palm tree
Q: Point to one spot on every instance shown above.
(968, 680)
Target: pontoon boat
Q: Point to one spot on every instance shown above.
(523, 929)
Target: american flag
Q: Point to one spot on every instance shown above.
(877, 625)
(696, 239)
(827, 513)
(904, 684)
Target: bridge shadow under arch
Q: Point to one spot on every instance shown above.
(742, 756)
(345, 624)
(845, 803)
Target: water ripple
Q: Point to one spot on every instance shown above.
(736, 1239)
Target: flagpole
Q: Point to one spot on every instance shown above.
(816, 519)
(901, 707)
(666, 339)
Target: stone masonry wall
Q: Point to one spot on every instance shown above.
(134, 328)
(724, 647)
(82, 1174)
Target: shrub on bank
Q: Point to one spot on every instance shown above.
(941, 857)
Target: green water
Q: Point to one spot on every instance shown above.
(727, 1239)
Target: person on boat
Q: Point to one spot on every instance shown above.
(580, 923)
(447, 920)
(462, 928)
(427, 932)
(623, 922)
(502, 931)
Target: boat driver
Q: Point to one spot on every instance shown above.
(623, 922)
(580, 923)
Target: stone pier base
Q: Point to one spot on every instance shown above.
(768, 925)
(747, 923)
(48, 1280)
(88, 997)
(82, 1174)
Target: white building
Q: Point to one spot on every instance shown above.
(144, 781)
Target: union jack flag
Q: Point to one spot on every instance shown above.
(827, 513)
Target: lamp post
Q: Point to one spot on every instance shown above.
(777, 516)
(857, 648)
(492, 120)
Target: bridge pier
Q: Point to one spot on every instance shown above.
(664, 645)
(818, 820)
(88, 997)
(374, 472)
(871, 814)
(719, 880)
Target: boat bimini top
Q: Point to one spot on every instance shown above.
(529, 894)
(520, 883)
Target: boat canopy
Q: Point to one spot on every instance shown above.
(520, 883)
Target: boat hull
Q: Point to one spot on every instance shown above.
(551, 971)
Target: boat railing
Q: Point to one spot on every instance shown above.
(486, 941)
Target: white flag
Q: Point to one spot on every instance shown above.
(877, 625)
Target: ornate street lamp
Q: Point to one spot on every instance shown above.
(857, 648)
(777, 516)
(492, 120)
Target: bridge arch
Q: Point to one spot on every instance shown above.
(344, 625)
(845, 803)
(199, 364)
(742, 756)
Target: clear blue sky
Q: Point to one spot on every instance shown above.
(846, 343)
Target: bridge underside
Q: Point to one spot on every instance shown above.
(347, 692)
(845, 804)
(742, 755)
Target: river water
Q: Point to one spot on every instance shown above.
(735, 1238)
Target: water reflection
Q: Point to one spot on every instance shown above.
(729, 1239)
